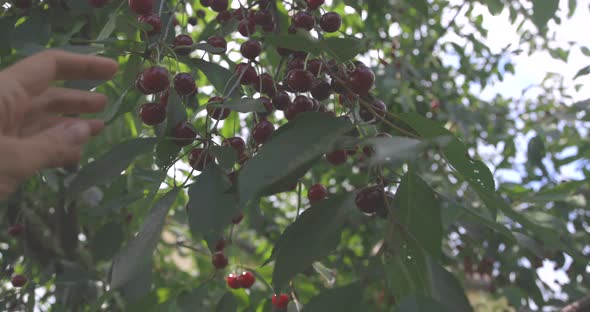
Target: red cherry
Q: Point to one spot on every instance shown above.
(220, 245)
(240, 13)
(98, 3)
(217, 42)
(338, 86)
(152, 113)
(223, 17)
(205, 3)
(314, 4)
(378, 107)
(233, 281)
(283, 51)
(263, 18)
(18, 281)
(370, 199)
(304, 20)
(301, 104)
(183, 44)
(247, 72)
(281, 100)
(316, 193)
(434, 105)
(199, 158)
(155, 79)
(361, 80)
(23, 4)
(265, 84)
(296, 63)
(238, 218)
(315, 66)
(321, 90)
(336, 157)
(193, 20)
(219, 5)
(300, 80)
(246, 279)
(263, 131)
(16, 230)
(219, 260)
(236, 143)
(217, 113)
(268, 105)
(330, 22)
(141, 7)
(246, 27)
(270, 27)
(152, 20)
(184, 133)
(251, 49)
(184, 84)
(281, 301)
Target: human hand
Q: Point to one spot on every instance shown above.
(34, 134)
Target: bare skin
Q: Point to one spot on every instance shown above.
(34, 134)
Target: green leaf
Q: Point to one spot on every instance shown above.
(109, 166)
(445, 288)
(473, 171)
(107, 241)
(416, 207)
(166, 152)
(543, 11)
(6, 36)
(227, 303)
(208, 48)
(420, 304)
(225, 155)
(288, 154)
(109, 27)
(189, 301)
(85, 85)
(136, 257)
(583, 72)
(344, 49)
(495, 6)
(316, 231)
(114, 205)
(35, 30)
(210, 206)
(175, 113)
(585, 51)
(296, 42)
(219, 76)
(396, 150)
(243, 105)
(343, 299)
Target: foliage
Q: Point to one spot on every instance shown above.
(135, 228)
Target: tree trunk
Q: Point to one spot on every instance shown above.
(581, 305)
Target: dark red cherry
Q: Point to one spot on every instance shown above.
(315, 66)
(238, 218)
(304, 20)
(205, 3)
(16, 229)
(219, 5)
(199, 158)
(378, 108)
(247, 72)
(281, 100)
(18, 281)
(236, 143)
(300, 80)
(184, 133)
(217, 113)
(263, 131)
(268, 105)
(233, 282)
(184, 84)
(218, 42)
(246, 279)
(223, 17)
(280, 301)
(141, 7)
(152, 20)
(331, 22)
(155, 79)
(314, 4)
(316, 193)
(152, 113)
(251, 49)
(370, 199)
(361, 80)
(219, 260)
(246, 28)
(183, 44)
(336, 157)
(97, 3)
(321, 90)
(265, 84)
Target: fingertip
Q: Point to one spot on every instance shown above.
(96, 126)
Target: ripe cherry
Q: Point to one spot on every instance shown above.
(316, 193)
(184, 133)
(183, 44)
(336, 157)
(240, 13)
(434, 105)
(16, 230)
(199, 158)
(18, 281)
(233, 281)
(296, 63)
(281, 301)
(238, 218)
(315, 66)
(184, 84)
(338, 86)
(152, 20)
(236, 143)
(219, 260)
(301, 104)
(330, 22)
(98, 3)
(217, 113)
(265, 84)
(263, 18)
(378, 108)
(246, 27)
(205, 3)
(251, 49)
(321, 90)
(361, 80)
(304, 20)
(141, 7)
(284, 51)
(152, 113)
(247, 72)
(220, 245)
(314, 4)
(370, 199)
(219, 5)
(281, 100)
(223, 17)
(155, 79)
(268, 105)
(193, 20)
(217, 42)
(246, 279)
(263, 131)
(300, 80)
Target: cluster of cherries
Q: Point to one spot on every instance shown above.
(17, 230)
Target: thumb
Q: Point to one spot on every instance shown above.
(60, 145)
